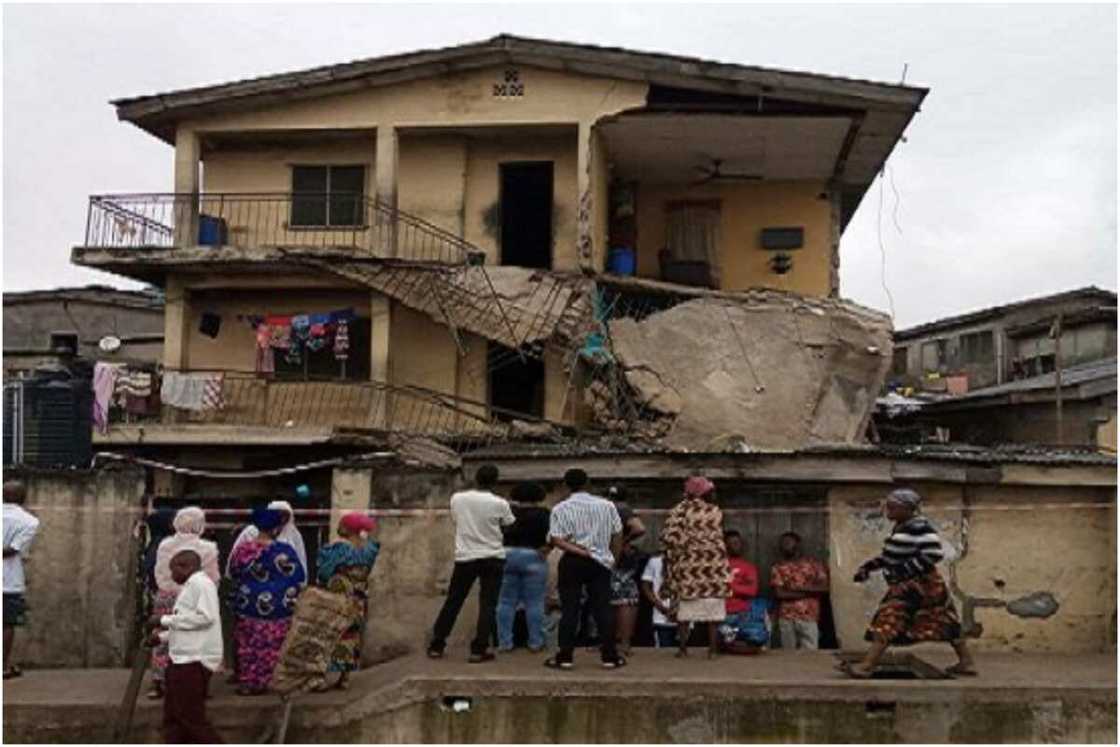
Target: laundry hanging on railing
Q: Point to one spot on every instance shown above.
(193, 391)
(136, 392)
(104, 383)
(298, 334)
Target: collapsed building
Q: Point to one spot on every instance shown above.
(380, 274)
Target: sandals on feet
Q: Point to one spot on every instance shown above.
(854, 674)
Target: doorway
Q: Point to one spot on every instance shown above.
(516, 384)
(526, 203)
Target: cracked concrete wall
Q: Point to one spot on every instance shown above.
(81, 584)
(775, 370)
(1048, 542)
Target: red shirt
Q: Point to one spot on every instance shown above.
(797, 574)
(744, 585)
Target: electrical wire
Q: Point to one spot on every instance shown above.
(237, 475)
(882, 247)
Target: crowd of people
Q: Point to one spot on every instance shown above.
(576, 570)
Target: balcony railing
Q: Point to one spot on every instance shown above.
(253, 400)
(351, 222)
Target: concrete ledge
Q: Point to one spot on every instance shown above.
(158, 434)
(772, 697)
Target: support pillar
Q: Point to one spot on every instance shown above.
(351, 489)
(380, 322)
(387, 155)
(834, 241)
(188, 158)
(585, 244)
(176, 324)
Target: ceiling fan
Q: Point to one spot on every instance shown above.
(715, 173)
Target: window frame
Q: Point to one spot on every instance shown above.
(360, 224)
(52, 336)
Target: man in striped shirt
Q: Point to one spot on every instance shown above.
(588, 530)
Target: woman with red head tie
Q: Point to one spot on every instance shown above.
(344, 568)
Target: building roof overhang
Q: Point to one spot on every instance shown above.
(874, 115)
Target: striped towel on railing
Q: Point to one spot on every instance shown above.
(192, 391)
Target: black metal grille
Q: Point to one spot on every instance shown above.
(360, 224)
(253, 400)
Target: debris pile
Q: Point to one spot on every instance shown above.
(686, 368)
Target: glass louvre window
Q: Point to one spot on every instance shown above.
(327, 195)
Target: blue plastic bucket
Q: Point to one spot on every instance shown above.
(622, 262)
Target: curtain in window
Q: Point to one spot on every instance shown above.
(692, 232)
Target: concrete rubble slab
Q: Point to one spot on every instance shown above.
(764, 370)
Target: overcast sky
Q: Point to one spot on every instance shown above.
(1007, 181)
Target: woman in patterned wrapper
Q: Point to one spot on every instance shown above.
(267, 575)
(697, 576)
(917, 607)
(344, 567)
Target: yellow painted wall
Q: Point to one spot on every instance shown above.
(234, 349)
(1078, 565)
(450, 180)
(270, 169)
(421, 352)
(431, 178)
(483, 187)
(746, 209)
(460, 98)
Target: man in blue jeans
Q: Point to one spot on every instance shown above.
(526, 573)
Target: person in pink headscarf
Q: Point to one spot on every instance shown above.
(697, 578)
(189, 524)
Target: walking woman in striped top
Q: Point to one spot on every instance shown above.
(917, 607)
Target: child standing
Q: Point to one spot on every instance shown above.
(193, 632)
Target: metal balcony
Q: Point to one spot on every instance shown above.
(345, 221)
(255, 400)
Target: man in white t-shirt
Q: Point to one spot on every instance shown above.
(20, 528)
(480, 553)
(664, 625)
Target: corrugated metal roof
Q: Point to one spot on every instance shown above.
(1083, 373)
(1088, 293)
(1012, 454)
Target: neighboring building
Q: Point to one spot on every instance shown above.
(1024, 411)
(1004, 343)
(44, 327)
(456, 206)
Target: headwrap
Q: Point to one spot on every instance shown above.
(267, 519)
(698, 487)
(190, 520)
(356, 522)
(290, 534)
(905, 497)
(189, 524)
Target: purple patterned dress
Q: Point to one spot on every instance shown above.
(268, 580)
